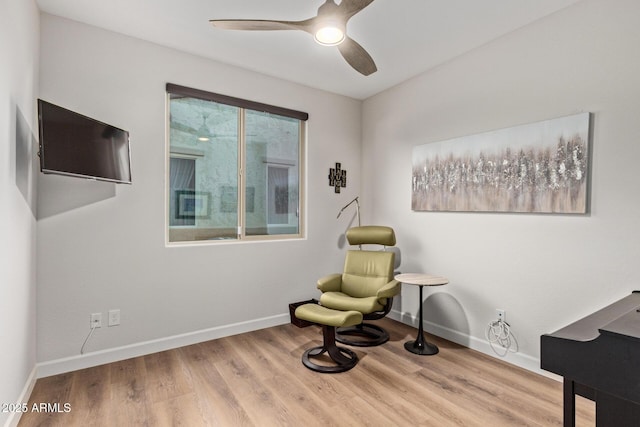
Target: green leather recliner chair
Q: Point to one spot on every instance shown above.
(366, 285)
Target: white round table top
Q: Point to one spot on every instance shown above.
(421, 279)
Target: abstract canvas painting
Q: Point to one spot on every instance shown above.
(539, 167)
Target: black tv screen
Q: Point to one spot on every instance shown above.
(76, 145)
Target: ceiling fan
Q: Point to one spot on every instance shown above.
(329, 28)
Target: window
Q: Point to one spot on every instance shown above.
(234, 168)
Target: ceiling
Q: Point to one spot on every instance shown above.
(404, 37)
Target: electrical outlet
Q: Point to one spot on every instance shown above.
(501, 314)
(114, 317)
(96, 320)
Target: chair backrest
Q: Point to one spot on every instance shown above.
(367, 271)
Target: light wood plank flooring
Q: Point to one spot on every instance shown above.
(257, 379)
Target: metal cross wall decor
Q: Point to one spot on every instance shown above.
(337, 178)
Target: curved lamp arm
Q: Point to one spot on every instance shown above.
(349, 204)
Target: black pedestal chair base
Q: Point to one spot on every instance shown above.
(369, 335)
(343, 358)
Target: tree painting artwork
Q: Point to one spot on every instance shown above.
(538, 168)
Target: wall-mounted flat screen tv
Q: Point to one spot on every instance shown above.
(76, 145)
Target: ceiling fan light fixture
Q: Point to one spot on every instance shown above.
(330, 33)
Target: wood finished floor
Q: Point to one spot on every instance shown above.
(257, 379)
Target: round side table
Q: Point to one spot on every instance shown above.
(420, 345)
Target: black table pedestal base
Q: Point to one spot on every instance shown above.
(422, 348)
(420, 345)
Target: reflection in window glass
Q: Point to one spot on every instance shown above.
(272, 172)
(233, 172)
(182, 181)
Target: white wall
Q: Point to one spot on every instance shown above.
(101, 246)
(111, 253)
(19, 43)
(544, 270)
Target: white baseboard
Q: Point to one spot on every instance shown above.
(518, 359)
(73, 363)
(87, 360)
(14, 417)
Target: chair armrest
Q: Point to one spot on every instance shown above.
(330, 283)
(389, 290)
